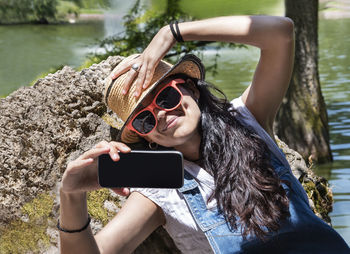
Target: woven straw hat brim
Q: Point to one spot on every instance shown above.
(126, 105)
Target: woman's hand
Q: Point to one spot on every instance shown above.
(81, 174)
(147, 62)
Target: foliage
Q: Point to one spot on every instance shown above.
(44, 11)
(90, 4)
(66, 7)
(27, 10)
(14, 10)
(142, 24)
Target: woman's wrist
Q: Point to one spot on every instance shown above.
(73, 209)
(72, 194)
(167, 35)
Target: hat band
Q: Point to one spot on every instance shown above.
(109, 91)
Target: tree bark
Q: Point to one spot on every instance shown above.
(302, 120)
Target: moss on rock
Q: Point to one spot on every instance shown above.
(29, 233)
(320, 196)
(317, 188)
(97, 208)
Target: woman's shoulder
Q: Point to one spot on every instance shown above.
(242, 113)
(247, 118)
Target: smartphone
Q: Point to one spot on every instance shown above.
(144, 169)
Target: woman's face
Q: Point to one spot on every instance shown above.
(180, 125)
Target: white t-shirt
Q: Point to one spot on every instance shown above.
(180, 224)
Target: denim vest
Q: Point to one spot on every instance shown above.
(302, 232)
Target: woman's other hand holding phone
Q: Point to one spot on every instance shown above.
(81, 174)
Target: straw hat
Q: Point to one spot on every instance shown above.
(126, 105)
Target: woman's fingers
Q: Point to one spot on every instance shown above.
(101, 144)
(139, 81)
(75, 166)
(114, 148)
(148, 77)
(119, 70)
(121, 146)
(122, 68)
(132, 74)
(121, 191)
(95, 152)
(140, 78)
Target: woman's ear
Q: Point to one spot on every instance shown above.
(193, 89)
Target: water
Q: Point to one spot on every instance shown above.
(335, 78)
(113, 22)
(28, 50)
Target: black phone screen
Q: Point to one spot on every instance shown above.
(145, 169)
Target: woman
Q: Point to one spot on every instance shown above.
(239, 194)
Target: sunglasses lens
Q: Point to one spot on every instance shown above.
(144, 122)
(168, 98)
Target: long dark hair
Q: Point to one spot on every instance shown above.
(248, 192)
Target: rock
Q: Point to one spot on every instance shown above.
(45, 126)
(317, 188)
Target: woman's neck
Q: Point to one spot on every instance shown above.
(190, 149)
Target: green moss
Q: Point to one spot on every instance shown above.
(321, 195)
(22, 237)
(95, 202)
(39, 207)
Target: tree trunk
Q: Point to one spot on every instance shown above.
(302, 120)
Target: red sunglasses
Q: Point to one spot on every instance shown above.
(168, 99)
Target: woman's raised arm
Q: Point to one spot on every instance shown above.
(273, 35)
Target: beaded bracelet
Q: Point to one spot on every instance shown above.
(75, 230)
(176, 34)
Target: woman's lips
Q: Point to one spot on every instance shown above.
(170, 123)
(171, 119)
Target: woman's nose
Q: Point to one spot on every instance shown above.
(159, 113)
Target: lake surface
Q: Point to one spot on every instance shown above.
(28, 50)
(335, 78)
